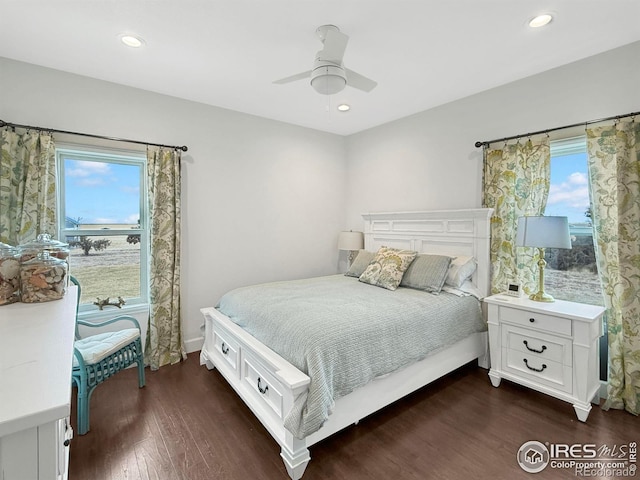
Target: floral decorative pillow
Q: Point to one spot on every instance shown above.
(387, 267)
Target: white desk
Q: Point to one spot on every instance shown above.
(36, 357)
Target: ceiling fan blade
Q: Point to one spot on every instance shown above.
(335, 43)
(293, 78)
(360, 82)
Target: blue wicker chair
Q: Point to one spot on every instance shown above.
(98, 357)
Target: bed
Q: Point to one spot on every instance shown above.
(282, 395)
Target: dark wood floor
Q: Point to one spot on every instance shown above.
(188, 424)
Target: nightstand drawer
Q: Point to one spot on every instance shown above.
(538, 321)
(537, 344)
(539, 370)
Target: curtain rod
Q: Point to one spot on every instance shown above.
(615, 117)
(115, 139)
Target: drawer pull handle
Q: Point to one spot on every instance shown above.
(225, 348)
(544, 347)
(532, 319)
(260, 389)
(533, 368)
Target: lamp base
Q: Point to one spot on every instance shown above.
(541, 297)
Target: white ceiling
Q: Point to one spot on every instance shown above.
(227, 53)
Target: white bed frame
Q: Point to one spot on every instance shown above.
(268, 384)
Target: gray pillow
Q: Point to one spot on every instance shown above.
(427, 272)
(360, 263)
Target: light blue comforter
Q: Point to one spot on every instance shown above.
(344, 333)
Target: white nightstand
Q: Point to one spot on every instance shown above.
(549, 347)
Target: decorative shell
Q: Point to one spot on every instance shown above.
(42, 283)
(9, 280)
(9, 268)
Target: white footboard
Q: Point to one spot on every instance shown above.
(266, 382)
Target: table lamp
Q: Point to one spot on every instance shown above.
(351, 241)
(543, 232)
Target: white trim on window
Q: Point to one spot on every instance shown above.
(115, 156)
(568, 146)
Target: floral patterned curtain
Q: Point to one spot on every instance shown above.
(27, 186)
(164, 336)
(516, 183)
(614, 176)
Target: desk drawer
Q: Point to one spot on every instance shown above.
(537, 321)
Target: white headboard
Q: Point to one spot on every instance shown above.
(443, 232)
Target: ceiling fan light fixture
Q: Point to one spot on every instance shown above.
(328, 80)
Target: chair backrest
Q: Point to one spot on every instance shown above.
(73, 280)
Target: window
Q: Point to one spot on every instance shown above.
(103, 217)
(572, 274)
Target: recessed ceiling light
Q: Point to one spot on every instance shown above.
(343, 107)
(540, 20)
(131, 40)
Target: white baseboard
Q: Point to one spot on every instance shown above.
(193, 344)
(603, 389)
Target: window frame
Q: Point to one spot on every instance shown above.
(563, 147)
(570, 146)
(113, 156)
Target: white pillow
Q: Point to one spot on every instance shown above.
(465, 290)
(461, 269)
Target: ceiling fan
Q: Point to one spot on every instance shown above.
(329, 75)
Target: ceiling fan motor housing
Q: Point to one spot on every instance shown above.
(328, 75)
(328, 78)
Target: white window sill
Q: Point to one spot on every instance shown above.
(94, 314)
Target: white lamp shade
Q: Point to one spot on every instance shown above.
(350, 241)
(543, 232)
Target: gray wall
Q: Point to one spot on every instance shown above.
(429, 161)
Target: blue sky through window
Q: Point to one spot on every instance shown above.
(102, 193)
(569, 191)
